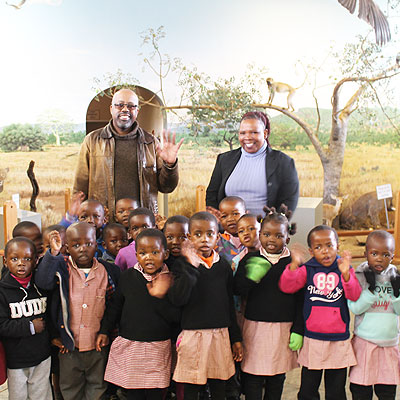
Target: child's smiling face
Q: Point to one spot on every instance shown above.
(273, 237)
(379, 252)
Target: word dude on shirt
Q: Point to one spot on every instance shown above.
(28, 308)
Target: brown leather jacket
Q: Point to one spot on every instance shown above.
(94, 174)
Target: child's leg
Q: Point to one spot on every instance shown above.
(310, 381)
(253, 386)
(385, 392)
(95, 366)
(217, 389)
(72, 376)
(361, 392)
(274, 386)
(335, 382)
(17, 384)
(192, 391)
(39, 387)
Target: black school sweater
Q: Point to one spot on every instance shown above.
(265, 301)
(138, 315)
(206, 296)
(18, 306)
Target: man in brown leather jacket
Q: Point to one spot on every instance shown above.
(123, 160)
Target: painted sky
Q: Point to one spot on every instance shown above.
(52, 49)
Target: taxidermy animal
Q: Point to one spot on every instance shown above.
(372, 14)
(280, 87)
(17, 6)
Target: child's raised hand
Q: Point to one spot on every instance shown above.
(39, 325)
(237, 351)
(101, 341)
(188, 251)
(159, 286)
(299, 256)
(344, 264)
(55, 242)
(257, 268)
(295, 342)
(76, 201)
(214, 211)
(160, 221)
(58, 342)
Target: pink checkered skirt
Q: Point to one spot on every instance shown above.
(266, 348)
(139, 365)
(375, 364)
(203, 354)
(324, 354)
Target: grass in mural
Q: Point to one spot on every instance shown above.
(365, 166)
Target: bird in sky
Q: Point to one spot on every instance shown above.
(17, 6)
(369, 12)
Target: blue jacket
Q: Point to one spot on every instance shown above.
(53, 272)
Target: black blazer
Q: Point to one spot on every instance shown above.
(282, 180)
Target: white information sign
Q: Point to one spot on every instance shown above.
(384, 191)
(15, 199)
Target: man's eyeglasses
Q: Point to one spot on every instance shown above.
(130, 107)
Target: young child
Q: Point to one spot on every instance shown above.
(22, 324)
(329, 281)
(115, 238)
(31, 231)
(176, 231)
(273, 321)
(84, 284)
(123, 208)
(139, 219)
(376, 327)
(140, 357)
(203, 288)
(231, 209)
(92, 212)
(248, 234)
(46, 242)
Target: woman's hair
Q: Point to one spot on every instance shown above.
(259, 116)
(281, 216)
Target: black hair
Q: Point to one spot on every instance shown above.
(176, 219)
(19, 228)
(151, 232)
(259, 116)
(89, 201)
(233, 198)
(79, 225)
(281, 216)
(110, 226)
(58, 228)
(142, 211)
(244, 216)
(203, 216)
(321, 228)
(380, 234)
(20, 239)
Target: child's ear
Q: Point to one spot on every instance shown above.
(311, 252)
(189, 236)
(288, 240)
(365, 253)
(166, 254)
(103, 243)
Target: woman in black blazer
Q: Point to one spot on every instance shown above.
(240, 172)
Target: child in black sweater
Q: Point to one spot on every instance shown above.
(22, 324)
(273, 322)
(203, 287)
(140, 357)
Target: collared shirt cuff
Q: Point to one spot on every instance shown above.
(31, 327)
